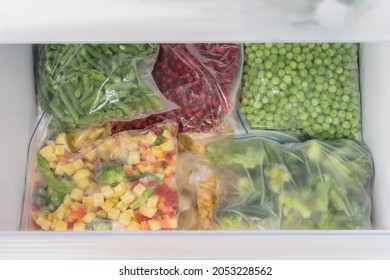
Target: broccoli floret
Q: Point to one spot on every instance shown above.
(99, 225)
(59, 189)
(232, 220)
(110, 174)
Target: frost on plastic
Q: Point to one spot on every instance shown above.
(202, 79)
(311, 185)
(312, 88)
(125, 181)
(90, 84)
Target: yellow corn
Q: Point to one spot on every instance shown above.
(108, 192)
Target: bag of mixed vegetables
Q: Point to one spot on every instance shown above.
(202, 79)
(86, 84)
(312, 185)
(126, 181)
(312, 88)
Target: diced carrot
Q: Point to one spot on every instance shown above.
(144, 225)
(74, 216)
(167, 181)
(164, 223)
(128, 170)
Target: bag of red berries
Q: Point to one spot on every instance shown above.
(202, 79)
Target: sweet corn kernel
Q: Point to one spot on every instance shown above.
(79, 226)
(60, 169)
(134, 226)
(70, 169)
(53, 164)
(167, 134)
(134, 158)
(59, 150)
(81, 174)
(50, 217)
(98, 199)
(130, 212)
(147, 211)
(89, 166)
(76, 194)
(113, 214)
(59, 215)
(124, 218)
(153, 201)
(43, 223)
(89, 217)
(117, 153)
(83, 183)
(167, 146)
(78, 164)
(132, 146)
(157, 152)
(120, 189)
(108, 192)
(88, 201)
(92, 186)
(61, 226)
(128, 197)
(107, 205)
(114, 200)
(67, 200)
(75, 206)
(90, 156)
(154, 225)
(172, 223)
(150, 137)
(101, 214)
(48, 153)
(139, 189)
(122, 206)
(142, 168)
(61, 138)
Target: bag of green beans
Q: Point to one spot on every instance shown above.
(86, 84)
(312, 88)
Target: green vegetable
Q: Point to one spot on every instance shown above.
(99, 225)
(110, 173)
(310, 185)
(59, 189)
(84, 84)
(150, 176)
(143, 198)
(308, 87)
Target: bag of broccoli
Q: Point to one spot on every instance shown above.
(263, 184)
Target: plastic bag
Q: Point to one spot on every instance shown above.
(86, 84)
(197, 192)
(312, 185)
(308, 87)
(126, 181)
(203, 79)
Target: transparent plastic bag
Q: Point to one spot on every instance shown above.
(202, 79)
(88, 84)
(125, 181)
(263, 184)
(312, 88)
(197, 191)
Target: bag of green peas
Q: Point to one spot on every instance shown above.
(311, 88)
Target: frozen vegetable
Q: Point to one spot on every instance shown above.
(126, 181)
(309, 87)
(203, 79)
(86, 84)
(311, 185)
